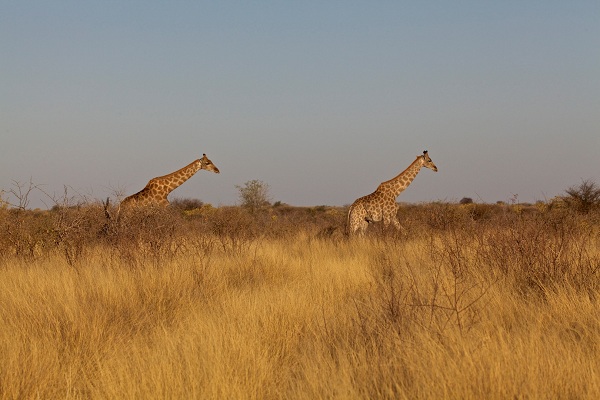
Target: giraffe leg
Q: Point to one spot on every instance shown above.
(357, 220)
(393, 220)
(362, 227)
(397, 225)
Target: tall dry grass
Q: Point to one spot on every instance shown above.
(486, 302)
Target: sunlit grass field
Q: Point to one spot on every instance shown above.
(467, 303)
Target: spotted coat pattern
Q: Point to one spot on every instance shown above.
(157, 189)
(381, 204)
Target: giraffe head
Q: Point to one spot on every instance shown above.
(426, 161)
(208, 165)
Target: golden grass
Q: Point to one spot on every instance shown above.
(296, 317)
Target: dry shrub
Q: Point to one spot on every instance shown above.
(324, 221)
(434, 286)
(419, 219)
(25, 234)
(186, 204)
(534, 248)
(76, 229)
(585, 197)
(34, 234)
(540, 251)
(145, 234)
(236, 229)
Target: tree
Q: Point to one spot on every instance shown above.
(585, 196)
(254, 195)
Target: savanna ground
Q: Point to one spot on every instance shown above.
(472, 301)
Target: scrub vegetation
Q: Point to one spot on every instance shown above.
(473, 300)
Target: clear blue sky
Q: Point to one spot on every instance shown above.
(322, 100)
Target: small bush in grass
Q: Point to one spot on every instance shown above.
(584, 197)
(186, 204)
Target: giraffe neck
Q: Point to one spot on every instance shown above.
(173, 180)
(396, 185)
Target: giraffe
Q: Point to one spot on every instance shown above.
(381, 204)
(157, 189)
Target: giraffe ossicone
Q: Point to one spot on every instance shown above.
(381, 204)
(157, 189)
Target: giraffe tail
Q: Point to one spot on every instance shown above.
(347, 231)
